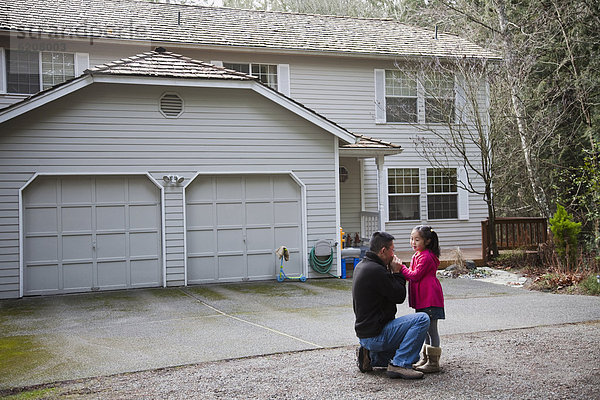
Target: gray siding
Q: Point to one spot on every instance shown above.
(118, 129)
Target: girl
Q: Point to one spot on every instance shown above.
(425, 292)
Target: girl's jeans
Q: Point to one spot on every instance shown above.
(399, 342)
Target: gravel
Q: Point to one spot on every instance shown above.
(548, 362)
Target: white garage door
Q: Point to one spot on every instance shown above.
(91, 233)
(235, 223)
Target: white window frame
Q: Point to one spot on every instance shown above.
(381, 94)
(416, 194)
(445, 193)
(81, 63)
(282, 74)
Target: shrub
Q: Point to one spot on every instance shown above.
(590, 285)
(565, 233)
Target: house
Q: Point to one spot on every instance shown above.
(125, 165)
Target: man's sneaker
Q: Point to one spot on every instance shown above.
(404, 373)
(363, 360)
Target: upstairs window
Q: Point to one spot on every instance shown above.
(266, 73)
(403, 194)
(442, 193)
(401, 96)
(409, 96)
(439, 98)
(24, 69)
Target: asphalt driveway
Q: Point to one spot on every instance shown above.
(47, 339)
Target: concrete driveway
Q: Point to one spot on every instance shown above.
(47, 339)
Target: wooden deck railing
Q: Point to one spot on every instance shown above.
(515, 233)
(369, 224)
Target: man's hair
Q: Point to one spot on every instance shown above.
(379, 240)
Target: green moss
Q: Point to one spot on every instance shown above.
(333, 284)
(18, 354)
(164, 293)
(44, 393)
(278, 289)
(206, 292)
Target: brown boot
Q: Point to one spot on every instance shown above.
(433, 360)
(422, 359)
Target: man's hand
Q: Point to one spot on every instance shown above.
(396, 265)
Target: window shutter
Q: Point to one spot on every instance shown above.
(283, 78)
(3, 68)
(82, 62)
(379, 96)
(217, 63)
(463, 195)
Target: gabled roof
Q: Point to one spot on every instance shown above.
(166, 64)
(231, 28)
(160, 63)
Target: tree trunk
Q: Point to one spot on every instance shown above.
(519, 111)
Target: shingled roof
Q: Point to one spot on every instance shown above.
(226, 27)
(162, 63)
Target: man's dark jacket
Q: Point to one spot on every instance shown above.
(375, 293)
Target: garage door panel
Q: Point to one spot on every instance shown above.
(232, 267)
(201, 190)
(229, 188)
(110, 245)
(285, 187)
(259, 213)
(110, 217)
(200, 241)
(256, 190)
(112, 274)
(259, 239)
(263, 266)
(110, 190)
(43, 192)
(145, 272)
(42, 248)
(41, 220)
(229, 214)
(294, 265)
(202, 269)
(140, 189)
(201, 215)
(230, 240)
(77, 276)
(286, 212)
(143, 217)
(76, 190)
(287, 235)
(77, 247)
(143, 244)
(42, 277)
(76, 219)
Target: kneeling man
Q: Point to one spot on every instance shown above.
(385, 341)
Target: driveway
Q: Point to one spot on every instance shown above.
(47, 339)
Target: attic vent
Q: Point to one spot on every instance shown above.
(171, 105)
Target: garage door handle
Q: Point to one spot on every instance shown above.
(94, 245)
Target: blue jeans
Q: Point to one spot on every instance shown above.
(399, 342)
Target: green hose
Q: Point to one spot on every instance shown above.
(319, 266)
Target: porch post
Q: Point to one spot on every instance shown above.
(381, 191)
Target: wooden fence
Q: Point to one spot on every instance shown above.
(514, 233)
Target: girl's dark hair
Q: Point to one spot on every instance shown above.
(428, 233)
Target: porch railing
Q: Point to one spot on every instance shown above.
(514, 233)
(369, 223)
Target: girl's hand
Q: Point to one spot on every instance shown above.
(396, 264)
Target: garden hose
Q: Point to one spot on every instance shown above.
(322, 267)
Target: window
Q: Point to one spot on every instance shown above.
(401, 96)
(24, 69)
(403, 194)
(414, 97)
(442, 193)
(266, 73)
(439, 98)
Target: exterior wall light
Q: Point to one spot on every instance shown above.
(173, 179)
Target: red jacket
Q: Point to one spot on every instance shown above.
(424, 289)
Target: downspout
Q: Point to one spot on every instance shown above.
(379, 160)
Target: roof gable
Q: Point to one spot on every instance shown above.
(226, 27)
